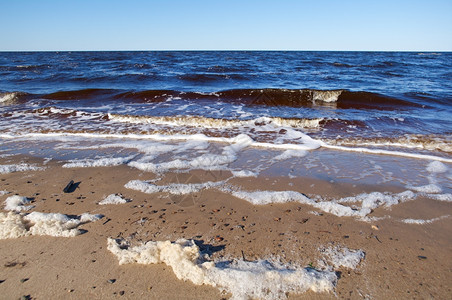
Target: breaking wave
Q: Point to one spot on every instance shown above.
(9, 98)
(196, 121)
(268, 97)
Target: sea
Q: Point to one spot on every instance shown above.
(339, 115)
(355, 135)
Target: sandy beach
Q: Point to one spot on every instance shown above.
(401, 260)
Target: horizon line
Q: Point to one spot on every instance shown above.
(223, 50)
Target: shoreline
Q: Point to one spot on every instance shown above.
(401, 260)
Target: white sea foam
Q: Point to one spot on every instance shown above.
(244, 173)
(403, 142)
(87, 217)
(114, 199)
(204, 122)
(101, 162)
(308, 142)
(368, 202)
(18, 203)
(173, 188)
(326, 96)
(14, 225)
(304, 143)
(8, 97)
(440, 197)
(268, 197)
(53, 224)
(428, 189)
(243, 279)
(376, 199)
(208, 161)
(23, 167)
(2, 193)
(387, 152)
(422, 222)
(291, 153)
(342, 257)
(437, 167)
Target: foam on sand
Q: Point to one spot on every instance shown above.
(342, 257)
(422, 222)
(17, 203)
(114, 199)
(373, 200)
(368, 202)
(173, 188)
(359, 206)
(14, 225)
(101, 162)
(269, 197)
(243, 279)
(428, 188)
(23, 167)
(440, 197)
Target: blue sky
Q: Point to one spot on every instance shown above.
(226, 25)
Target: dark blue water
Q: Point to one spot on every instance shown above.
(356, 97)
(390, 73)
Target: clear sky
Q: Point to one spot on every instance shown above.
(420, 25)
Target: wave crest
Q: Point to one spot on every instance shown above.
(341, 98)
(196, 121)
(11, 97)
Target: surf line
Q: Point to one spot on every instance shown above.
(311, 145)
(386, 152)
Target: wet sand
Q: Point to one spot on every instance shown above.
(403, 261)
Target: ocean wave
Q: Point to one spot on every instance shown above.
(78, 94)
(210, 77)
(147, 96)
(20, 68)
(341, 98)
(332, 131)
(62, 113)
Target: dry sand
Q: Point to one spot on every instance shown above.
(403, 261)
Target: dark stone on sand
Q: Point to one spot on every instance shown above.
(23, 280)
(14, 264)
(111, 280)
(422, 257)
(71, 186)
